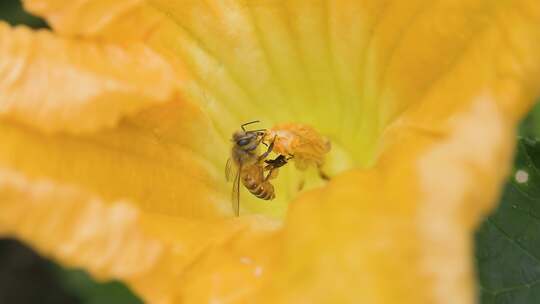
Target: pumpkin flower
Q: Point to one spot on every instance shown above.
(115, 128)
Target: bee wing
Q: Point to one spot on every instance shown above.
(236, 193)
(229, 170)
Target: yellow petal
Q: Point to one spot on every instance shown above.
(402, 231)
(154, 158)
(114, 20)
(70, 85)
(163, 258)
(424, 94)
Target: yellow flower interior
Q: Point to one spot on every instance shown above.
(304, 70)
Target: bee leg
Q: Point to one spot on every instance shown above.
(273, 173)
(270, 148)
(261, 141)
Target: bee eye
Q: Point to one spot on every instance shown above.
(243, 141)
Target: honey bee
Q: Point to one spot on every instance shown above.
(247, 166)
(304, 142)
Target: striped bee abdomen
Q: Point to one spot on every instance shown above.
(258, 187)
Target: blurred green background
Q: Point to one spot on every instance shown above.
(530, 127)
(26, 277)
(12, 12)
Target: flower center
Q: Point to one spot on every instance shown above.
(305, 158)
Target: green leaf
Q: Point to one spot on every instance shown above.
(12, 12)
(530, 126)
(87, 291)
(508, 242)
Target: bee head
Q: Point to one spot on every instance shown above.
(247, 141)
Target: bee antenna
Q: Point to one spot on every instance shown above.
(248, 123)
(256, 131)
